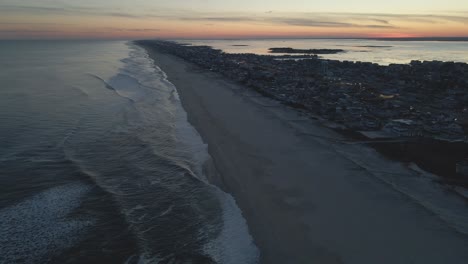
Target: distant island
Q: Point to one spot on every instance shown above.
(240, 45)
(305, 51)
(373, 46)
(423, 39)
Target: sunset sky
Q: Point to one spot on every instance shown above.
(123, 19)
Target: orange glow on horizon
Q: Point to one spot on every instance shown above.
(63, 27)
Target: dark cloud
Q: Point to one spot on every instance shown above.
(120, 14)
(219, 19)
(309, 22)
(370, 20)
(314, 23)
(20, 31)
(293, 21)
(66, 10)
(460, 19)
(19, 8)
(380, 20)
(133, 29)
(32, 23)
(359, 20)
(424, 18)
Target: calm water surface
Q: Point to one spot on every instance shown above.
(377, 51)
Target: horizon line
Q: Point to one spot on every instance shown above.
(433, 38)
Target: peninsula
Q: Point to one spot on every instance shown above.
(424, 104)
(307, 193)
(421, 99)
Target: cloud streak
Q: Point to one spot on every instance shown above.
(133, 29)
(22, 31)
(326, 19)
(287, 20)
(305, 22)
(182, 19)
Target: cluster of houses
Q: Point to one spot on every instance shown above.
(419, 99)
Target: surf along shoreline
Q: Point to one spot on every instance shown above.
(304, 198)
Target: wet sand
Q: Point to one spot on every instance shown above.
(305, 199)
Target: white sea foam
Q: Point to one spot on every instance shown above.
(143, 259)
(38, 226)
(146, 73)
(234, 243)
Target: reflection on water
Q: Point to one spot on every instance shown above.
(377, 51)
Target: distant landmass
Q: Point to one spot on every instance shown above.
(305, 51)
(425, 39)
(372, 46)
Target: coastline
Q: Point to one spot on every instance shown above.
(303, 200)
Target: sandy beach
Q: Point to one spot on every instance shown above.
(305, 199)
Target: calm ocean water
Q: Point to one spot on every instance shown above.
(98, 163)
(377, 51)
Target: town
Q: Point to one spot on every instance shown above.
(421, 99)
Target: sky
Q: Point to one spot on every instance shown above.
(176, 19)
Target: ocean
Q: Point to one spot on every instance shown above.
(376, 51)
(98, 163)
